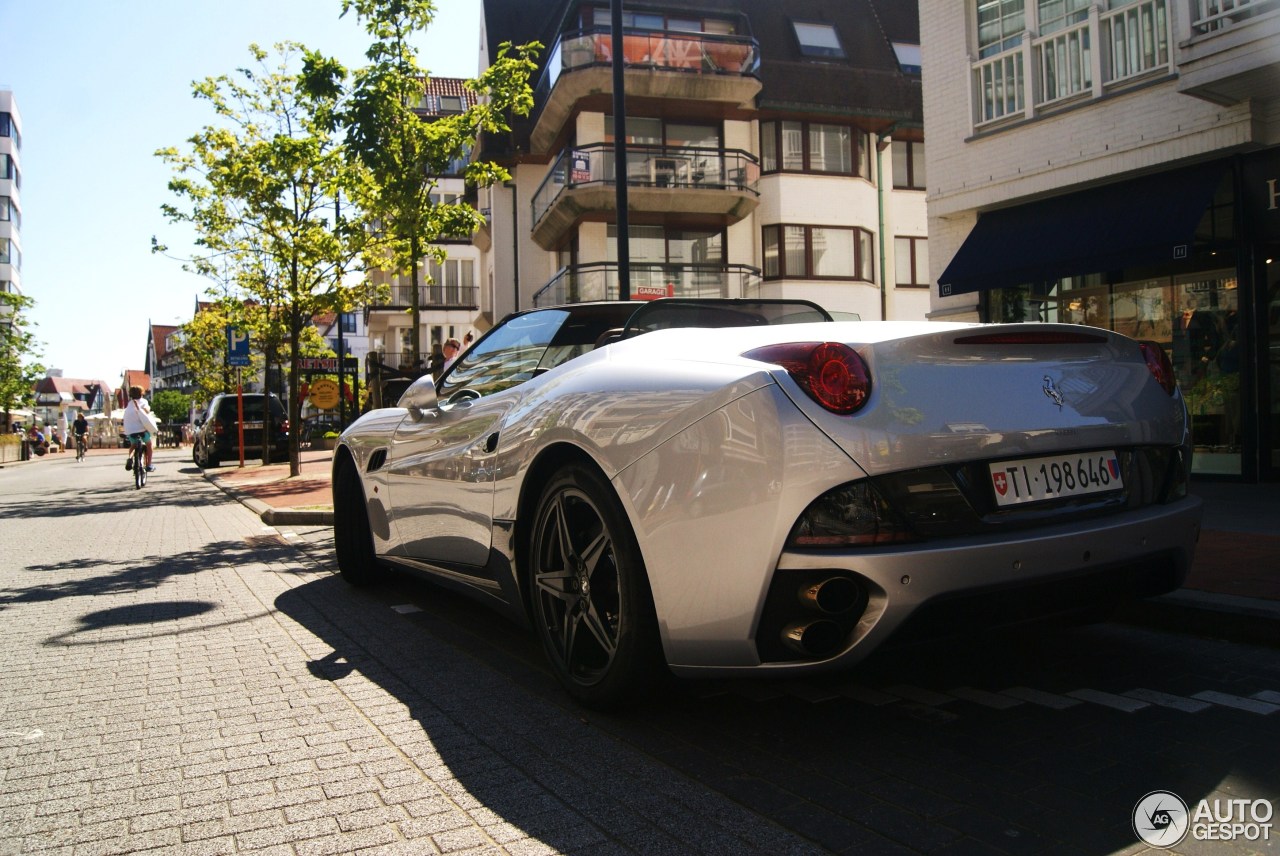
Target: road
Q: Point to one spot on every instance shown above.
(181, 678)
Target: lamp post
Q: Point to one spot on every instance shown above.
(620, 152)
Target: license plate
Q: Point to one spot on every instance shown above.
(1055, 476)
(251, 425)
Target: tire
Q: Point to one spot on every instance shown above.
(590, 603)
(352, 535)
(139, 471)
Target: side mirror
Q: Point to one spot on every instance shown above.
(419, 397)
(199, 422)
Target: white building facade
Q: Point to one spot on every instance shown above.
(10, 200)
(766, 156)
(1117, 163)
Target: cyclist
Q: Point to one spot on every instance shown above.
(80, 428)
(135, 426)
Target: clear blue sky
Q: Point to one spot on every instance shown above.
(100, 86)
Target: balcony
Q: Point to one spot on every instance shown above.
(430, 297)
(649, 280)
(702, 67)
(1233, 52)
(1095, 54)
(393, 363)
(716, 182)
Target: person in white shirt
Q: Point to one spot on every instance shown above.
(452, 348)
(135, 426)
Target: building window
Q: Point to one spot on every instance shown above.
(9, 170)
(1059, 14)
(815, 147)
(911, 262)
(452, 282)
(347, 322)
(830, 148)
(908, 57)
(5, 208)
(908, 165)
(818, 252)
(818, 40)
(1000, 26)
(9, 129)
(603, 18)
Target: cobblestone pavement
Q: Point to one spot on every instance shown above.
(165, 688)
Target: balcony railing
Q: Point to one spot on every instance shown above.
(700, 53)
(1210, 15)
(401, 361)
(1107, 49)
(648, 166)
(649, 280)
(430, 297)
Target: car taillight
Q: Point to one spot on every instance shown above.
(217, 426)
(1160, 366)
(831, 373)
(284, 426)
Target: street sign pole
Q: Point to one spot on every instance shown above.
(240, 413)
(238, 356)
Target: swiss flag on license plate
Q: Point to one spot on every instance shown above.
(1001, 483)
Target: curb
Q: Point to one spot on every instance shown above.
(1252, 621)
(271, 515)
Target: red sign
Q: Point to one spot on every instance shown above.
(652, 292)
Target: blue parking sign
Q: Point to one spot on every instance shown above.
(237, 346)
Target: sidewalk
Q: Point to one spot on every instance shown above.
(1232, 592)
(275, 496)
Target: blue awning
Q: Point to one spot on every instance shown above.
(1142, 221)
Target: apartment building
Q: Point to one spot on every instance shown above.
(1117, 163)
(769, 150)
(449, 294)
(10, 185)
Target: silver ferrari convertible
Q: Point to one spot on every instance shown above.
(717, 487)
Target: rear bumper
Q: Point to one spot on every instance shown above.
(973, 583)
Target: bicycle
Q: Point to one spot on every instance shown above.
(138, 459)
(80, 447)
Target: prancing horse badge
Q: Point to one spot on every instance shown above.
(1052, 392)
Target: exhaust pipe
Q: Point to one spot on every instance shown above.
(818, 638)
(832, 596)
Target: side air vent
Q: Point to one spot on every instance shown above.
(376, 460)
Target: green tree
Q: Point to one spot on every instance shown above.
(19, 351)
(204, 347)
(170, 405)
(259, 189)
(402, 152)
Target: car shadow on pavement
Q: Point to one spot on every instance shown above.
(822, 758)
(89, 576)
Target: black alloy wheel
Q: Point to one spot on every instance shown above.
(352, 535)
(589, 591)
